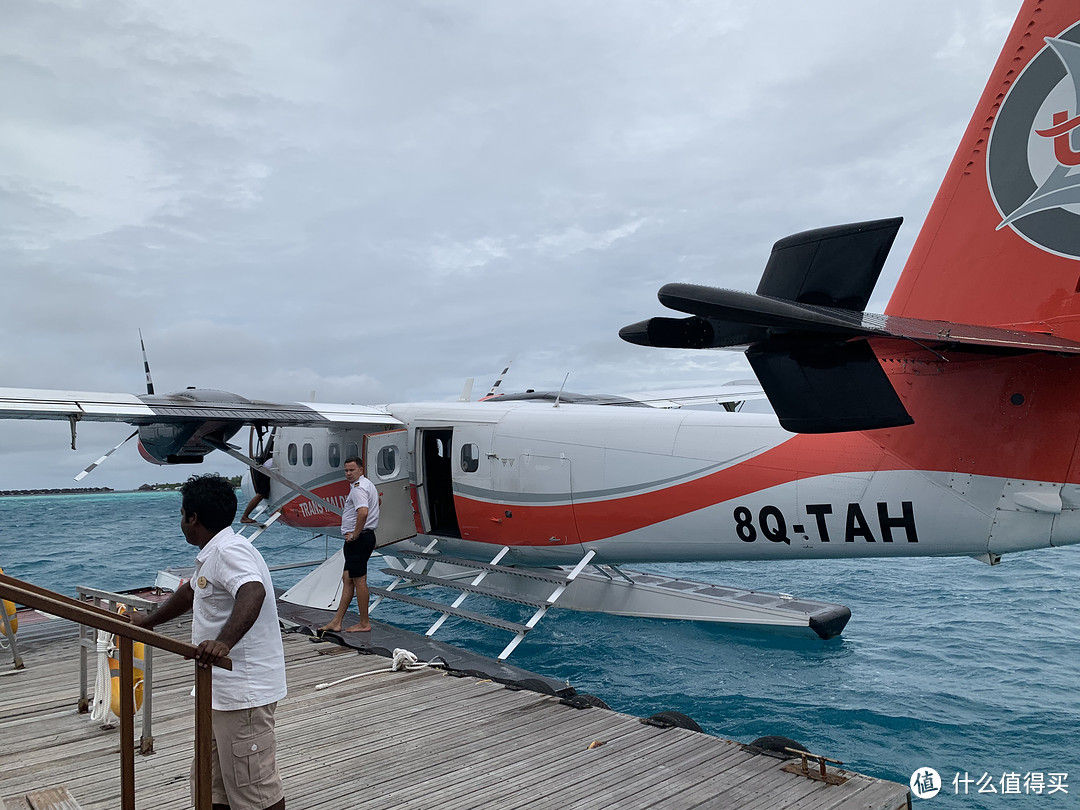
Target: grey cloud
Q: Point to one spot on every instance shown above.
(376, 200)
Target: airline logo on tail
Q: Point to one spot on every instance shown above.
(1034, 149)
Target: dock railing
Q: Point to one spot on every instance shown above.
(110, 601)
(24, 593)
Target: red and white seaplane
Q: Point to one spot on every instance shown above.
(947, 426)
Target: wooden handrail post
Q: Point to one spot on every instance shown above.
(127, 725)
(203, 731)
(78, 611)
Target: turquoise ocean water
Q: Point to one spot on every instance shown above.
(949, 663)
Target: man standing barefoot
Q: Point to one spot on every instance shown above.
(359, 519)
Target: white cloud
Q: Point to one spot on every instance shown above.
(376, 200)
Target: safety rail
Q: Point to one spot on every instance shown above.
(66, 607)
(86, 641)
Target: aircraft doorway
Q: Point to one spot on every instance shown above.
(438, 488)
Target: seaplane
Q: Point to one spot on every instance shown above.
(946, 426)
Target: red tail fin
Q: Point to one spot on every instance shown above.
(1001, 243)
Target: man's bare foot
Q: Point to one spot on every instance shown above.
(247, 520)
(330, 628)
(358, 628)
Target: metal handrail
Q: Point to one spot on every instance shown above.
(86, 642)
(39, 598)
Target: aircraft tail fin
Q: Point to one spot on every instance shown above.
(1002, 239)
(993, 271)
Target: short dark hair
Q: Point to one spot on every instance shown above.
(359, 462)
(211, 498)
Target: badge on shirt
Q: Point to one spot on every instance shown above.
(202, 582)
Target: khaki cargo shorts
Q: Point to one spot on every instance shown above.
(243, 757)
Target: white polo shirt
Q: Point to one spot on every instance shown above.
(258, 674)
(361, 493)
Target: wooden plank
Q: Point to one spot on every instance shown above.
(54, 798)
(652, 785)
(402, 739)
(477, 773)
(613, 772)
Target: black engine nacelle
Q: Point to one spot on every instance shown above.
(186, 419)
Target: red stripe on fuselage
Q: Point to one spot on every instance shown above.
(303, 513)
(598, 519)
(1007, 417)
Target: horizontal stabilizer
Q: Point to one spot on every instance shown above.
(826, 387)
(806, 336)
(726, 318)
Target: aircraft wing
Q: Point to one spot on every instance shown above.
(730, 392)
(36, 403)
(183, 427)
(193, 405)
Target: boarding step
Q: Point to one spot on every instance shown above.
(551, 575)
(481, 590)
(439, 607)
(480, 570)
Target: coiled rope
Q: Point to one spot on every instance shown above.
(403, 661)
(103, 682)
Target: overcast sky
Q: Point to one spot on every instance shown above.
(373, 201)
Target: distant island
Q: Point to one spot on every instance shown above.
(234, 480)
(64, 491)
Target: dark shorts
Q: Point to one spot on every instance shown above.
(358, 552)
(261, 482)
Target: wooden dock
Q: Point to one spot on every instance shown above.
(420, 740)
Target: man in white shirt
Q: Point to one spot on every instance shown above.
(234, 614)
(359, 519)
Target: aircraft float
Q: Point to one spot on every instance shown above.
(948, 425)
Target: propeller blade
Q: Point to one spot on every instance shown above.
(146, 366)
(498, 381)
(90, 469)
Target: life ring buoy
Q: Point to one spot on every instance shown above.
(138, 660)
(9, 609)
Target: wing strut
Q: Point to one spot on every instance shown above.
(271, 472)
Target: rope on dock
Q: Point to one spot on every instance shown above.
(404, 661)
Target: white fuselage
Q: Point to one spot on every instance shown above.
(639, 484)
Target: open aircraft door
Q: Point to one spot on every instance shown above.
(385, 464)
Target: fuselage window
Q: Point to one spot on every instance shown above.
(386, 462)
(470, 457)
(292, 455)
(334, 454)
(352, 450)
(309, 454)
